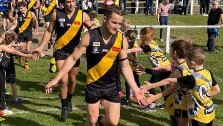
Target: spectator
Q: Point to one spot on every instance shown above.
(108, 3)
(122, 4)
(95, 5)
(149, 7)
(214, 17)
(184, 8)
(87, 7)
(204, 7)
(178, 6)
(162, 15)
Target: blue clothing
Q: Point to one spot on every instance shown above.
(124, 4)
(7, 1)
(163, 21)
(2, 8)
(149, 7)
(212, 35)
(213, 31)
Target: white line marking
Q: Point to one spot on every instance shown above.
(40, 98)
(40, 110)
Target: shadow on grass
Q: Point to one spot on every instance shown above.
(30, 85)
(131, 115)
(81, 77)
(217, 101)
(23, 107)
(136, 116)
(17, 121)
(79, 119)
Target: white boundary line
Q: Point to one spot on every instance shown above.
(40, 110)
(26, 98)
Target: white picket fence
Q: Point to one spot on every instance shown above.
(168, 29)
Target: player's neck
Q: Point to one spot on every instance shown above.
(105, 34)
(180, 61)
(198, 67)
(69, 12)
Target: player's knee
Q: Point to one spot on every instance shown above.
(64, 80)
(113, 121)
(93, 118)
(72, 79)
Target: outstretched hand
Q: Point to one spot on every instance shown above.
(140, 70)
(32, 56)
(140, 97)
(49, 86)
(152, 98)
(37, 52)
(144, 88)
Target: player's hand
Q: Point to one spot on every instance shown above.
(49, 86)
(146, 86)
(140, 97)
(152, 98)
(140, 69)
(37, 52)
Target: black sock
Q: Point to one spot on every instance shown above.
(69, 97)
(64, 102)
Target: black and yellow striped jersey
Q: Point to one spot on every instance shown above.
(102, 59)
(25, 22)
(68, 30)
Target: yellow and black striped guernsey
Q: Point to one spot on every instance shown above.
(25, 22)
(102, 59)
(48, 7)
(31, 3)
(68, 30)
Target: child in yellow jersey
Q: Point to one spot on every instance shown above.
(155, 56)
(95, 21)
(200, 86)
(176, 103)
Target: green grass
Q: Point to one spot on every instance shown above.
(40, 109)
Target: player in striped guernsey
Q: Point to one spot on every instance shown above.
(106, 48)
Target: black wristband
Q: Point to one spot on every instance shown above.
(123, 59)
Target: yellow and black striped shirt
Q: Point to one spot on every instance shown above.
(102, 59)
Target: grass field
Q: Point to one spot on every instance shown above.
(40, 109)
